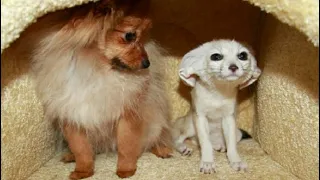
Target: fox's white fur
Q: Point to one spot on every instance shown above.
(212, 114)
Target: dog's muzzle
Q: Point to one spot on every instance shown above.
(118, 64)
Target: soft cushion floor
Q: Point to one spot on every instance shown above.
(150, 167)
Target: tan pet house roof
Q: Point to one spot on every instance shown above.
(16, 15)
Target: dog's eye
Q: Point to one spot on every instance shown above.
(243, 56)
(216, 57)
(130, 36)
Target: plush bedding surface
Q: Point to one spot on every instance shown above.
(261, 166)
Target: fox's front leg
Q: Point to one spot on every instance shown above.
(207, 164)
(230, 134)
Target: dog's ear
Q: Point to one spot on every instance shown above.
(138, 8)
(254, 71)
(103, 7)
(192, 64)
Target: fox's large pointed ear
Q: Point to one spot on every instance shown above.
(188, 76)
(193, 64)
(255, 75)
(255, 71)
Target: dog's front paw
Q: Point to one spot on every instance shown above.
(238, 166)
(207, 167)
(125, 173)
(80, 174)
(162, 151)
(184, 150)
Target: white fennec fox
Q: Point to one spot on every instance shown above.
(216, 70)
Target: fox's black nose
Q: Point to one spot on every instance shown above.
(145, 63)
(233, 67)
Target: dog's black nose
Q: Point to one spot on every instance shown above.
(145, 63)
(233, 67)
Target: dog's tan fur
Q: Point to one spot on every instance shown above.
(97, 105)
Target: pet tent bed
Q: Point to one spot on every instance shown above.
(281, 111)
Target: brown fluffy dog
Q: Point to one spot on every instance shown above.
(92, 75)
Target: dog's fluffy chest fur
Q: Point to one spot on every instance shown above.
(78, 92)
(215, 103)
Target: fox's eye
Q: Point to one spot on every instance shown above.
(130, 36)
(243, 56)
(216, 57)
